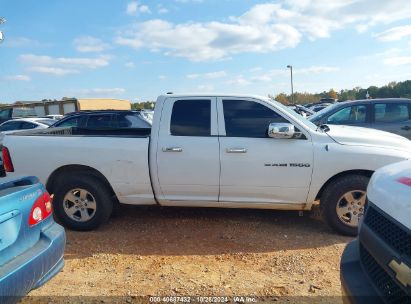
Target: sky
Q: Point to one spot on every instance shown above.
(138, 50)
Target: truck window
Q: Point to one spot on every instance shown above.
(131, 120)
(100, 121)
(245, 118)
(191, 118)
(69, 122)
(391, 112)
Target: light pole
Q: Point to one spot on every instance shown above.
(292, 85)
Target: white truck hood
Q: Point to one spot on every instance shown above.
(347, 135)
(390, 190)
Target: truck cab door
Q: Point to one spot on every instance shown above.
(257, 169)
(188, 165)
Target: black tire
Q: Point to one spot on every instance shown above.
(331, 198)
(100, 193)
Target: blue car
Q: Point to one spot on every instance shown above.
(31, 243)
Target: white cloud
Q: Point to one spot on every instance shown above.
(144, 9)
(89, 44)
(61, 66)
(162, 77)
(134, 8)
(395, 33)
(209, 41)
(96, 92)
(267, 76)
(316, 70)
(129, 64)
(52, 70)
(17, 42)
(210, 75)
(239, 81)
(18, 77)
(263, 28)
(189, 1)
(162, 10)
(205, 88)
(106, 91)
(398, 60)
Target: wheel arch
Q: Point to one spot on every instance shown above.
(367, 173)
(76, 169)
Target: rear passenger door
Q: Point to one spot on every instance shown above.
(393, 117)
(188, 165)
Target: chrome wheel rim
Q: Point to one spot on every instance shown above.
(351, 206)
(79, 205)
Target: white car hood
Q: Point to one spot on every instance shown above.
(347, 135)
(390, 190)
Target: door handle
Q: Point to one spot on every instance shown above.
(236, 150)
(173, 149)
(406, 128)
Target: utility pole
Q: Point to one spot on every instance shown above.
(292, 85)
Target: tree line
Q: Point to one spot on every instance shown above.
(391, 90)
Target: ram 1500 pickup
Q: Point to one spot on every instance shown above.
(226, 151)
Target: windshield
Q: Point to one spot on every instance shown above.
(293, 114)
(318, 115)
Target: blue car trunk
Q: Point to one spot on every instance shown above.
(16, 201)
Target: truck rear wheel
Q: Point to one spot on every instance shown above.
(82, 202)
(343, 203)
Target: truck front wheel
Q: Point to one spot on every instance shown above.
(82, 202)
(343, 203)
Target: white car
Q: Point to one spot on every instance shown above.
(230, 151)
(54, 116)
(26, 124)
(23, 124)
(378, 265)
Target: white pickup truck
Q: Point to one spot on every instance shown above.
(226, 151)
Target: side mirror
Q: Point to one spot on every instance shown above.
(281, 130)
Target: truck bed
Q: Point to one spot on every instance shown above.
(75, 131)
(120, 155)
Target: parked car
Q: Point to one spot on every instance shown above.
(54, 116)
(389, 114)
(31, 243)
(104, 119)
(319, 106)
(26, 124)
(303, 111)
(23, 124)
(208, 151)
(377, 266)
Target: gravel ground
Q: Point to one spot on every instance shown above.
(147, 251)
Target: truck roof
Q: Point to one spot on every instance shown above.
(214, 95)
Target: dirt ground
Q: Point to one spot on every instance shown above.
(152, 251)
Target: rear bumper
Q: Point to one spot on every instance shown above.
(355, 284)
(34, 267)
